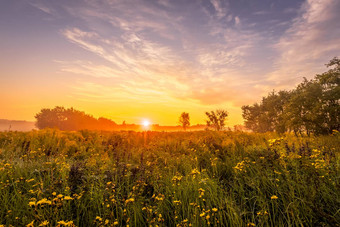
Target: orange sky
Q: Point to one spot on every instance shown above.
(135, 60)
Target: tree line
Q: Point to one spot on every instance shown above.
(312, 107)
(71, 120)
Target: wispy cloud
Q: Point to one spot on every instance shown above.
(157, 48)
(311, 41)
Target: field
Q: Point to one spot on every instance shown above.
(205, 178)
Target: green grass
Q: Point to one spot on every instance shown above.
(168, 179)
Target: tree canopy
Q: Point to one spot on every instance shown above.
(184, 120)
(71, 119)
(216, 119)
(312, 107)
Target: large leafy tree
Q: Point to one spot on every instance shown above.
(312, 107)
(268, 115)
(330, 83)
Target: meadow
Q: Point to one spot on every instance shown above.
(205, 178)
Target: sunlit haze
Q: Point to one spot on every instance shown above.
(146, 123)
(132, 60)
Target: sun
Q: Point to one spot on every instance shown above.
(146, 123)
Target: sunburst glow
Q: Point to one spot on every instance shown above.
(146, 123)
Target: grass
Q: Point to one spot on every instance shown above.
(87, 178)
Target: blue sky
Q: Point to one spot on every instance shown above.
(129, 60)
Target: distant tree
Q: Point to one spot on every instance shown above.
(71, 119)
(50, 118)
(217, 119)
(184, 120)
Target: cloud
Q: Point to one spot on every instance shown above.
(221, 11)
(42, 7)
(133, 55)
(157, 47)
(311, 41)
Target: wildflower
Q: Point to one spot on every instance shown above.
(30, 224)
(44, 201)
(195, 172)
(54, 193)
(177, 202)
(214, 209)
(99, 218)
(129, 200)
(202, 214)
(177, 179)
(250, 224)
(65, 223)
(107, 221)
(60, 196)
(240, 166)
(115, 223)
(68, 198)
(44, 223)
(160, 197)
(274, 197)
(32, 203)
(201, 192)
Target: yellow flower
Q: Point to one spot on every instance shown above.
(107, 221)
(177, 202)
(44, 201)
(69, 223)
(250, 224)
(54, 193)
(115, 223)
(274, 197)
(30, 224)
(129, 200)
(202, 214)
(32, 203)
(99, 218)
(44, 223)
(214, 209)
(68, 198)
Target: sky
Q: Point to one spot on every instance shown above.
(154, 59)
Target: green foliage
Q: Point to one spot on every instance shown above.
(204, 178)
(313, 107)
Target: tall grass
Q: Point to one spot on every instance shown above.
(88, 178)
